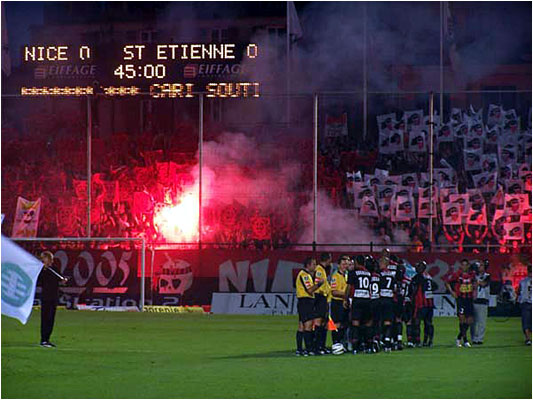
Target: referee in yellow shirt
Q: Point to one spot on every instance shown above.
(322, 296)
(305, 292)
(339, 313)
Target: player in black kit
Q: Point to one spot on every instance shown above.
(387, 292)
(373, 268)
(422, 287)
(359, 285)
(405, 308)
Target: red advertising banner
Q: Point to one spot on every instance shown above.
(111, 276)
(194, 277)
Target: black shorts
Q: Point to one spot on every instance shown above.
(465, 307)
(407, 314)
(526, 316)
(398, 309)
(374, 307)
(386, 309)
(339, 314)
(425, 314)
(321, 306)
(361, 310)
(306, 309)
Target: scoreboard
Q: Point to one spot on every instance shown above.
(174, 70)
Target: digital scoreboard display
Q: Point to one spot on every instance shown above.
(174, 70)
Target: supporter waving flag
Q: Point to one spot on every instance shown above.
(477, 217)
(495, 115)
(405, 209)
(514, 231)
(369, 207)
(451, 214)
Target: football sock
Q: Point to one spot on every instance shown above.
(399, 328)
(308, 339)
(324, 337)
(355, 336)
(464, 332)
(299, 340)
(369, 335)
(387, 332)
(461, 332)
(341, 334)
(431, 331)
(416, 332)
(362, 335)
(317, 338)
(409, 332)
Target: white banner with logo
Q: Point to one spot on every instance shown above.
(286, 304)
(26, 218)
(254, 303)
(20, 271)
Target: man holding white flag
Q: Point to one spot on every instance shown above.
(19, 278)
(49, 279)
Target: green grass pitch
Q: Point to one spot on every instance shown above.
(136, 355)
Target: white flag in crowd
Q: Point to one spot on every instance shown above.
(424, 207)
(461, 202)
(495, 116)
(445, 134)
(526, 213)
(472, 160)
(410, 180)
(514, 230)
(477, 217)
(413, 119)
(417, 141)
(489, 162)
(20, 271)
(444, 193)
(451, 214)
(445, 177)
(26, 218)
(385, 207)
(405, 208)
(369, 207)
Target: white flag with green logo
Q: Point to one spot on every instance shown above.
(20, 271)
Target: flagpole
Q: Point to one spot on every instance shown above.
(441, 97)
(288, 72)
(315, 169)
(431, 133)
(143, 275)
(200, 166)
(365, 83)
(56, 274)
(89, 139)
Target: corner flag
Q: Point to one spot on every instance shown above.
(331, 324)
(20, 271)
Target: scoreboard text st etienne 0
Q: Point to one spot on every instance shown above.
(162, 70)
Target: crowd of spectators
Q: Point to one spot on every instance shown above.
(131, 179)
(471, 149)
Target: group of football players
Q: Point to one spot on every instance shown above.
(371, 299)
